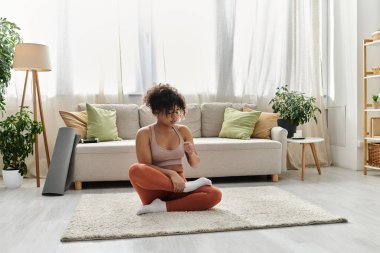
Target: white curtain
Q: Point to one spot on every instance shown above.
(266, 44)
(113, 51)
(305, 75)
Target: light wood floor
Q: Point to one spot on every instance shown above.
(30, 222)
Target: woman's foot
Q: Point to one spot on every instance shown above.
(193, 185)
(156, 206)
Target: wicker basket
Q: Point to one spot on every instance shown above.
(376, 70)
(374, 154)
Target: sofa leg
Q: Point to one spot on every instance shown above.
(275, 178)
(78, 185)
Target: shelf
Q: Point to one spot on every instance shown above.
(372, 139)
(372, 77)
(372, 167)
(373, 43)
(369, 139)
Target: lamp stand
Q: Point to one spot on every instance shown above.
(37, 97)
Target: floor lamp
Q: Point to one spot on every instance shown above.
(34, 58)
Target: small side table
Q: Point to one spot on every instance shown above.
(304, 142)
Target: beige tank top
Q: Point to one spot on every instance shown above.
(164, 157)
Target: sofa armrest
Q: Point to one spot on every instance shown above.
(280, 134)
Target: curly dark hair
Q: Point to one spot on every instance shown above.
(163, 98)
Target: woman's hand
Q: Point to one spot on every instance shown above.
(178, 182)
(191, 154)
(189, 148)
(188, 145)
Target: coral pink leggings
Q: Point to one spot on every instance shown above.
(151, 184)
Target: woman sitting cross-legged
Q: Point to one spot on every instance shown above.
(159, 178)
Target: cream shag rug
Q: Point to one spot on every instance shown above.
(113, 215)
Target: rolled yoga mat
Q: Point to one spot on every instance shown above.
(59, 176)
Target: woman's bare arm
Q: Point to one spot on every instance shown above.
(190, 151)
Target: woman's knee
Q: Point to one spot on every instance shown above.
(215, 196)
(135, 170)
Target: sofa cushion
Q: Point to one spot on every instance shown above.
(222, 157)
(110, 147)
(207, 144)
(146, 116)
(265, 123)
(127, 118)
(220, 144)
(237, 124)
(192, 118)
(76, 120)
(213, 116)
(101, 124)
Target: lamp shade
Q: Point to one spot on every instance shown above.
(30, 56)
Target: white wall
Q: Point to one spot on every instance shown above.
(350, 21)
(342, 93)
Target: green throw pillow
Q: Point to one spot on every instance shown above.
(238, 124)
(101, 124)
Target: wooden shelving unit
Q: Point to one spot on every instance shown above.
(368, 75)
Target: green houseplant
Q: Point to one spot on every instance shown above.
(294, 107)
(17, 137)
(376, 103)
(9, 37)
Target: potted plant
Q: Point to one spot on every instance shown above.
(9, 37)
(17, 137)
(376, 103)
(294, 107)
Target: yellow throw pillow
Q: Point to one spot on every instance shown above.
(265, 123)
(76, 120)
(238, 124)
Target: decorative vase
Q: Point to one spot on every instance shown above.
(12, 178)
(288, 125)
(376, 104)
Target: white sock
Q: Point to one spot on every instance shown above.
(193, 185)
(156, 206)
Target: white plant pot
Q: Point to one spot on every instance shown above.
(12, 179)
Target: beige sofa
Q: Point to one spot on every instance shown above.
(220, 157)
